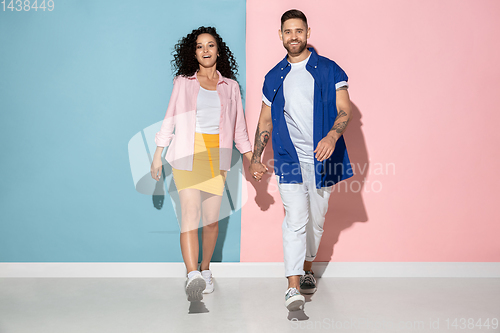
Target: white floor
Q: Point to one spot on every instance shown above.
(73, 305)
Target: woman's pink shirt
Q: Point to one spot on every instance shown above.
(178, 128)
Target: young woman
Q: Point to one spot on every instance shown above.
(206, 113)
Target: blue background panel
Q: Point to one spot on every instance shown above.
(76, 84)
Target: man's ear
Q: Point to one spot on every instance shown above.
(280, 34)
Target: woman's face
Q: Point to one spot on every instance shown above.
(206, 50)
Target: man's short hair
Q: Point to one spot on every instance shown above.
(291, 14)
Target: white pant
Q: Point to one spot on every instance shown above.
(305, 210)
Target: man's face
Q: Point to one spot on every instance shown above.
(294, 34)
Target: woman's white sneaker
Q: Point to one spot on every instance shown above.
(195, 286)
(293, 299)
(207, 275)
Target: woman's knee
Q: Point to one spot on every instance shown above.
(210, 217)
(190, 218)
(210, 223)
(190, 212)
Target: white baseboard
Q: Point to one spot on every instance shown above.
(250, 270)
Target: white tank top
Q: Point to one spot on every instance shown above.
(207, 111)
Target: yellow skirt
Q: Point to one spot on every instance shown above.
(206, 175)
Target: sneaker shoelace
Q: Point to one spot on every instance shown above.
(208, 279)
(291, 292)
(309, 279)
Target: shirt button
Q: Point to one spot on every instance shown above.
(282, 77)
(274, 89)
(315, 66)
(281, 68)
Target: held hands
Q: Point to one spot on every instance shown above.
(257, 170)
(325, 148)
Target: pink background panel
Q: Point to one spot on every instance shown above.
(424, 81)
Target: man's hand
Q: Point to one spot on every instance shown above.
(325, 147)
(257, 170)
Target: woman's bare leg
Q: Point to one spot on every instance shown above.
(191, 212)
(210, 214)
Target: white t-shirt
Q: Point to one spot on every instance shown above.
(207, 111)
(298, 90)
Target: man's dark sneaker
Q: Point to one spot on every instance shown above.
(308, 283)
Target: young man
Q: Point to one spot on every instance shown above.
(306, 106)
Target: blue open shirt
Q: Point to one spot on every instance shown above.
(326, 74)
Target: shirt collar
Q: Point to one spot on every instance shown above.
(313, 59)
(222, 79)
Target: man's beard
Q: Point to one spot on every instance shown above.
(301, 47)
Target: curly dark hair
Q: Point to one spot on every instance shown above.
(186, 64)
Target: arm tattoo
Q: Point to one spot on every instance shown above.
(340, 127)
(341, 114)
(342, 88)
(261, 139)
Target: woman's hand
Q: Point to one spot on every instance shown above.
(257, 170)
(157, 165)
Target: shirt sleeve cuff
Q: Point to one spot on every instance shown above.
(341, 84)
(265, 100)
(161, 141)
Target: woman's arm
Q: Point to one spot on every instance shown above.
(165, 135)
(241, 140)
(248, 156)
